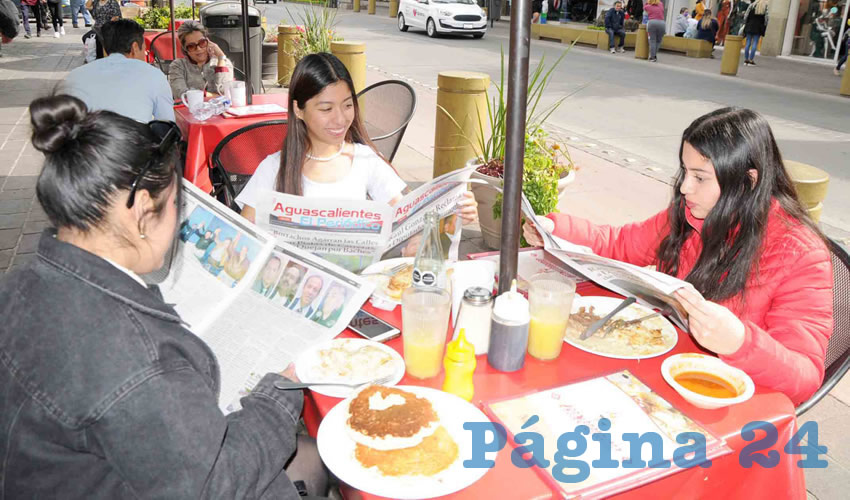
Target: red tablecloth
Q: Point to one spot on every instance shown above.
(204, 136)
(724, 479)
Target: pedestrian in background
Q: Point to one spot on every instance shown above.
(707, 29)
(755, 25)
(634, 8)
(680, 26)
(655, 27)
(615, 20)
(55, 8)
(31, 8)
(699, 10)
(723, 20)
(843, 58)
(79, 7)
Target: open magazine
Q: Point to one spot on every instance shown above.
(357, 233)
(651, 288)
(257, 302)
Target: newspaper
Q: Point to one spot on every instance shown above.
(257, 302)
(357, 233)
(651, 288)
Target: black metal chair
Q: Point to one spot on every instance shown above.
(838, 349)
(236, 157)
(162, 50)
(386, 108)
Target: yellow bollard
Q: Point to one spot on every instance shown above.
(463, 95)
(356, 7)
(642, 43)
(285, 53)
(393, 8)
(731, 55)
(810, 183)
(845, 82)
(353, 56)
(371, 7)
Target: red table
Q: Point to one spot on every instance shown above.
(204, 136)
(724, 479)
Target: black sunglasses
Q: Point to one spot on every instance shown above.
(168, 134)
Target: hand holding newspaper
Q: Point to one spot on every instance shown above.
(652, 288)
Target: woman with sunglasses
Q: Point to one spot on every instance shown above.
(105, 393)
(326, 152)
(205, 67)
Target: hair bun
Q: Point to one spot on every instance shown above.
(56, 121)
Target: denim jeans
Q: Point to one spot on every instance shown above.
(35, 11)
(79, 6)
(750, 48)
(612, 34)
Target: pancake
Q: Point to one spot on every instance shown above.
(386, 418)
(399, 282)
(434, 454)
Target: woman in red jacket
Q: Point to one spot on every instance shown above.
(736, 231)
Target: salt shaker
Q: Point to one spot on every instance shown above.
(474, 317)
(509, 331)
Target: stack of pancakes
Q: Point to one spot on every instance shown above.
(399, 433)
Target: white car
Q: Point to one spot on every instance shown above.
(443, 16)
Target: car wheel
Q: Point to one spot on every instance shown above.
(478, 35)
(431, 28)
(401, 25)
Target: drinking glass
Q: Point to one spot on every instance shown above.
(550, 300)
(425, 322)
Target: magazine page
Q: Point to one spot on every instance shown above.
(350, 233)
(628, 405)
(296, 301)
(441, 195)
(216, 255)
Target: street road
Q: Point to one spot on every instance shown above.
(631, 111)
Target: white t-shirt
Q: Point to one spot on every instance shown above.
(369, 175)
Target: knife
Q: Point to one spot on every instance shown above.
(598, 324)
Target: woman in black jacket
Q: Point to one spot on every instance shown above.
(707, 28)
(755, 25)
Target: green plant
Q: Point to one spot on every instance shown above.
(160, 17)
(317, 31)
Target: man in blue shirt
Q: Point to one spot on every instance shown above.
(123, 82)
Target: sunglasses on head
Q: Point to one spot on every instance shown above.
(167, 134)
(200, 44)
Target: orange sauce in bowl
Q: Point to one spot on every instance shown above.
(706, 384)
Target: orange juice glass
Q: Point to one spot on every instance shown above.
(425, 321)
(550, 300)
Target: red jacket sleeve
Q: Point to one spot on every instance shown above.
(635, 243)
(788, 353)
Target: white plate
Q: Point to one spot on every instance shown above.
(337, 451)
(306, 367)
(604, 305)
(379, 297)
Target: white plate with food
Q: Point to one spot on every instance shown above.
(647, 339)
(404, 442)
(348, 361)
(389, 287)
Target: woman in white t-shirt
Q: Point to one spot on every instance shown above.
(327, 153)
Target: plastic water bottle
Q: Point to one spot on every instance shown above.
(544, 12)
(428, 267)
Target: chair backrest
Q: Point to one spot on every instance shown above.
(236, 157)
(163, 52)
(386, 108)
(837, 360)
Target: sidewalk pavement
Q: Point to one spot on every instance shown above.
(604, 192)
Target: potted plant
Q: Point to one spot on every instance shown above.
(547, 166)
(315, 34)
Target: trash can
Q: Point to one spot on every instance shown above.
(223, 21)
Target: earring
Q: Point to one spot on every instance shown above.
(142, 236)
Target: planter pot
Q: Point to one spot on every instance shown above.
(269, 61)
(485, 195)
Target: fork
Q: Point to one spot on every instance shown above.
(288, 384)
(619, 323)
(388, 272)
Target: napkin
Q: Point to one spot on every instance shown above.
(469, 273)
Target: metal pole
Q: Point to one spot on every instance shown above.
(193, 10)
(515, 140)
(246, 52)
(173, 34)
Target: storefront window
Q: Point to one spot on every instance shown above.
(818, 29)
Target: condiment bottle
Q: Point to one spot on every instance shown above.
(509, 331)
(428, 266)
(474, 317)
(460, 365)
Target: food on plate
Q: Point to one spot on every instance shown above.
(347, 361)
(399, 282)
(399, 433)
(630, 340)
(706, 384)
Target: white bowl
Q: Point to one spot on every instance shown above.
(674, 365)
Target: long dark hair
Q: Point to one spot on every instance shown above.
(311, 76)
(735, 141)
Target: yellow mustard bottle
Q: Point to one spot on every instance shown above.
(460, 365)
